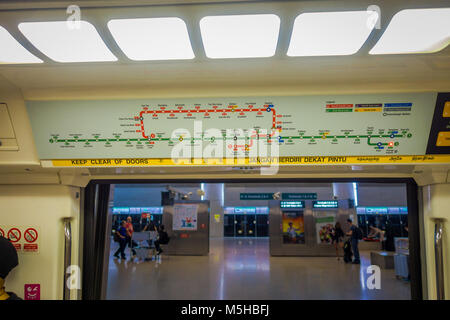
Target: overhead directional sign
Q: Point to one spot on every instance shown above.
(292, 204)
(127, 132)
(323, 204)
(298, 196)
(256, 196)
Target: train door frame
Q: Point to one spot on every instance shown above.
(95, 225)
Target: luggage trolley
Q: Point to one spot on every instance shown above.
(145, 249)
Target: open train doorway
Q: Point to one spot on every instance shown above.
(262, 240)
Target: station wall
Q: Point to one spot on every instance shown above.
(147, 195)
(381, 195)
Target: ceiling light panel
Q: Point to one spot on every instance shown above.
(415, 31)
(67, 41)
(240, 36)
(330, 33)
(152, 38)
(12, 51)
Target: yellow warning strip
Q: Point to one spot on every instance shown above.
(293, 160)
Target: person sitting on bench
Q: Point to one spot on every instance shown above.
(374, 232)
(163, 238)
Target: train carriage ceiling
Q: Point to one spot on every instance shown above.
(277, 75)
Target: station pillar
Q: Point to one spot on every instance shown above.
(214, 192)
(347, 190)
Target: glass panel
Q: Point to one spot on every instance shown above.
(362, 223)
(157, 219)
(262, 225)
(239, 225)
(228, 225)
(404, 221)
(250, 225)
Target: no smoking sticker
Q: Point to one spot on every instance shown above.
(14, 235)
(2, 233)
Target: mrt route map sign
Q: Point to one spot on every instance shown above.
(330, 129)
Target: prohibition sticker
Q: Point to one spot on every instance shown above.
(30, 247)
(14, 235)
(30, 235)
(2, 233)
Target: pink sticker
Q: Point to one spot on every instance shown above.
(32, 292)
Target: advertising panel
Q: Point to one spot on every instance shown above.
(293, 227)
(185, 217)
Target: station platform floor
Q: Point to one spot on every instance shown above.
(240, 269)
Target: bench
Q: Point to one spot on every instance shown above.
(383, 259)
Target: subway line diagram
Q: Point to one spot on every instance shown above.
(157, 126)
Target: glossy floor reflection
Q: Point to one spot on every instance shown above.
(243, 269)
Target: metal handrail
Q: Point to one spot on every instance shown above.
(67, 256)
(439, 258)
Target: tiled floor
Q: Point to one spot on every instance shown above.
(243, 269)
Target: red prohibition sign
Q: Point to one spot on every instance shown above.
(14, 235)
(30, 235)
(2, 233)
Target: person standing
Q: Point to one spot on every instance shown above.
(8, 261)
(130, 230)
(122, 239)
(355, 237)
(150, 226)
(337, 238)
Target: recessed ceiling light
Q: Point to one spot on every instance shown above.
(240, 36)
(66, 41)
(330, 33)
(415, 31)
(12, 51)
(152, 38)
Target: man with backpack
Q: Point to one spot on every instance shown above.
(356, 234)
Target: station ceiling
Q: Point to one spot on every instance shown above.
(278, 75)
